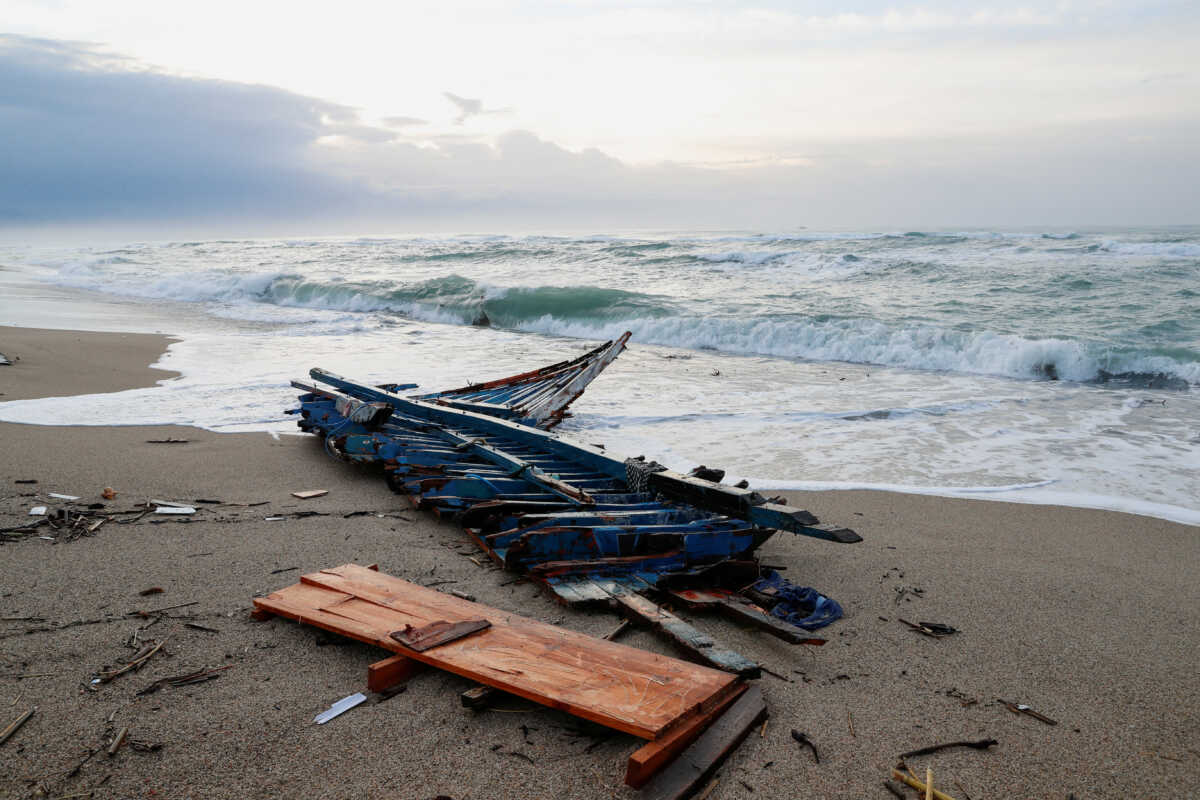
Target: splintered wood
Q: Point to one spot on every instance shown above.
(621, 687)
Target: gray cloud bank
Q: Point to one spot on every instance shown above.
(91, 138)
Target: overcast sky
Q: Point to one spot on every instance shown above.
(360, 116)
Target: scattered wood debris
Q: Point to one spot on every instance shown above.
(310, 494)
(187, 679)
(134, 664)
(16, 724)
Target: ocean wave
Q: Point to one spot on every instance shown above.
(1160, 249)
(863, 341)
(597, 312)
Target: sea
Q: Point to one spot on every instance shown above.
(1035, 366)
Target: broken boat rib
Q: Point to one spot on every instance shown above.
(539, 397)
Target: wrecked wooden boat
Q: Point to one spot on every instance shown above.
(589, 526)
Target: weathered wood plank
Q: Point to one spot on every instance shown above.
(684, 634)
(631, 690)
(739, 608)
(698, 761)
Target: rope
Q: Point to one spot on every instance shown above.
(638, 472)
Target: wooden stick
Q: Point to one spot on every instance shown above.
(982, 744)
(916, 784)
(850, 719)
(708, 789)
(929, 783)
(617, 631)
(16, 724)
(137, 662)
(117, 741)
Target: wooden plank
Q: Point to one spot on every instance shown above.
(699, 760)
(739, 608)
(650, 757)
(700, 644)
(620, 687)
(389, 672)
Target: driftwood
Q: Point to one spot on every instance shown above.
(804, 740)
(982, 744)
(16, 724)
(117, 741)
(141, 658)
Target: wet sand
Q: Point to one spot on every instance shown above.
(1089, 617)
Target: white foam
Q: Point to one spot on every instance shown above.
(1160, 249)
(1028, 493)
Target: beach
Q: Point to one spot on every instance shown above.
(1091, 618)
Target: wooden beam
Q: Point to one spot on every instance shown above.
(389, 672)
(653, 755)
(697, 762)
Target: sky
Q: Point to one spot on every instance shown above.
(324, 118)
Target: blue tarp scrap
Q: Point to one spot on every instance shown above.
(801, 606)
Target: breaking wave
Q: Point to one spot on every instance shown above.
(870, 298)
(601, 313)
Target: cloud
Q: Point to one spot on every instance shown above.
(94, 138)
(90, 135)
(470, 107)
(467, 106)
(403, 122)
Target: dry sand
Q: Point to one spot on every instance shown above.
(1089, 617)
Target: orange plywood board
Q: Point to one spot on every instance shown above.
(631, 690)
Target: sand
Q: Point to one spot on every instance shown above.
(56, 363)
(1089, 617)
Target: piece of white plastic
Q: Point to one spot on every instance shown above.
(37, 511)
(340, 707)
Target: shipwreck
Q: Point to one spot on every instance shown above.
(589, 526)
